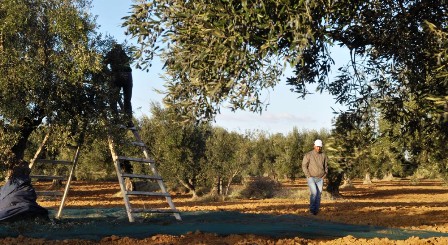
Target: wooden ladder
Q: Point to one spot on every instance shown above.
(67, 177)
(147, 162)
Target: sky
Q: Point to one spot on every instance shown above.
(284, 112)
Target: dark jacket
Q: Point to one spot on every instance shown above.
(118, 60)
(18, 200)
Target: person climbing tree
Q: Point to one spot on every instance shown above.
(119, 63)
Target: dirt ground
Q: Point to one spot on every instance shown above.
(403, 204)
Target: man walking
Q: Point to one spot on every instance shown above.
(315, 167)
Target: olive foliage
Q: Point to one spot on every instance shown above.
(226, 51)
(46, 61)
(222, 51)
(52, 71)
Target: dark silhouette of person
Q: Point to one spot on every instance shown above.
(18, 197)
(120, 67)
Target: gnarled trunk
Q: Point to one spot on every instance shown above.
(25, 128)
(347, 183)
(367, 180)
(190, 187)
(217, 186)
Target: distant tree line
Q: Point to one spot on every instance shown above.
(204, 159)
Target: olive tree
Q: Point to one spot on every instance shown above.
(49, 53)
(179, 149)
(228, 51)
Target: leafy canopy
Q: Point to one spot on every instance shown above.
(228, 51)
(50, 58)
(222, 51)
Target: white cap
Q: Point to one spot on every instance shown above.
(318, 143)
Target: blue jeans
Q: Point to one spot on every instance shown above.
(315, 184)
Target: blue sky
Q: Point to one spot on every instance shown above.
(284, 112)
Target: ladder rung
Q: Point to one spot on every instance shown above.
(49, 193)
(72, 147)
(133, 128)
(146, 193)
(136, 143)
(132, 159)
(48, 177)
(140, 176)
(142, 210)
(53, 161)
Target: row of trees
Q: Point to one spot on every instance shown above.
(206, 159)
(198, 155)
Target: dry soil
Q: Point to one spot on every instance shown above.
(415, 205)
